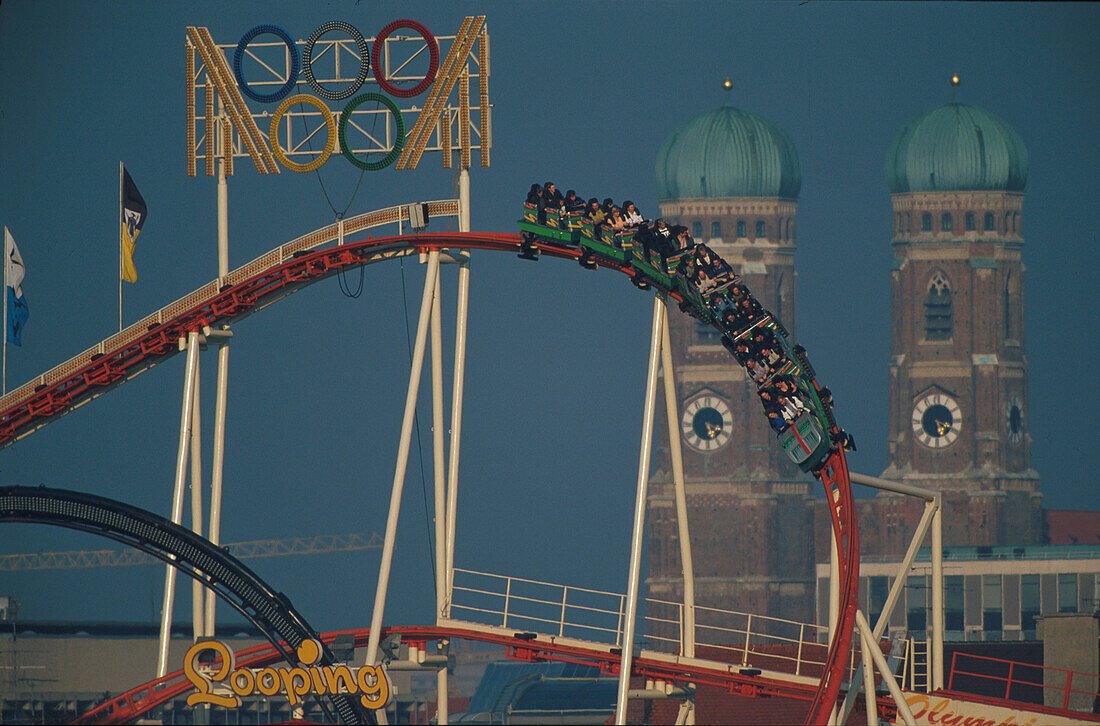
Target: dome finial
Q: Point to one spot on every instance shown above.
(954, 85)
(728, 85)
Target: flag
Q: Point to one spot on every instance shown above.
(14, 269)
(133, 217)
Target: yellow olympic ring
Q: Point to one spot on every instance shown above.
(330, 127)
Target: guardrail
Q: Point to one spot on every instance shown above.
(34, 400)
(598, 615)
(1023, 682)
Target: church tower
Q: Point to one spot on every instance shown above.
(958, 375)
(732, 178)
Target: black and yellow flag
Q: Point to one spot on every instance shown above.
(133, 217)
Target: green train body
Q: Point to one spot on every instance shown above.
(808, 439)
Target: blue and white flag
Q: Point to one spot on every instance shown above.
(14, 270)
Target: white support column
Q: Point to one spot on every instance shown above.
(461, 316)
(218, 466)
(937, 595)
(880, 663)
(687, 646)
(177, 498)
(439, 471)
(868, 684)
(639, 510)
(456, 423)
(197, 588)
(218, 456)
(402, 462)
(892, 598)
(464, 200)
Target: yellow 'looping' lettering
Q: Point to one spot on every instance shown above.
(245, 688)
(268, 681)
(296, 682)
(374, 686)
(369, 681)
(202, 682)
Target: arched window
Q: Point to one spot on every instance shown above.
(926, 222)
(937, 308)
(989, 221)
(970, 225)
(945, 222)
(697, 229)
(900, 228)
(1010, 331)
(761, 230)
(716, 228)
(779, 297)
(741, 231)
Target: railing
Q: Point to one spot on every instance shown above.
(276, 256)
(1022, 682)
(597, 615)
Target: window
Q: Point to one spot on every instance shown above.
(926, 222)
(1029, 604)
(953, 603)
(761, 230)
(945, 222)
(1008, 305)
(970, 225)
(916, 595)
(1067, 592)
(989, 221)
(937, 309)
(992, 608)
(878, 590)
(697, 229)
(779, 297)
(715, 229)
(741, 231)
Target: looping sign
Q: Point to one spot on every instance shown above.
(224, 684)
(232, 86)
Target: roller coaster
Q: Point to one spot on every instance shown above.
(811, 438)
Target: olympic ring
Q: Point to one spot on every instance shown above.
(364, 61)
(239, 55)
(399, 139)
(376, 59)
(330, 127)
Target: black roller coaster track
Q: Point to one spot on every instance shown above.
(189, 553)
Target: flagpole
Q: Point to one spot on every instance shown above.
(120, 218)
(7, 257)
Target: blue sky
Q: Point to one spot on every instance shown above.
(583, 95)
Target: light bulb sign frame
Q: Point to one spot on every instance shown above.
(302, 131)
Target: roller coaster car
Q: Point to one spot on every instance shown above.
(650, 266)
(599, 249)
(805, 442)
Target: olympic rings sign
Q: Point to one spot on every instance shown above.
(369, 59)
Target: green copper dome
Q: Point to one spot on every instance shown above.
(956, 147)
(728, 152)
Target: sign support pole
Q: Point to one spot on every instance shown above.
(218, 457)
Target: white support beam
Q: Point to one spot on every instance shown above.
(639, 511)
(177, 498)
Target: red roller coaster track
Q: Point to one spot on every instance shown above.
(126, 355)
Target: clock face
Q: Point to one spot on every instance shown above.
(707, 423)
(937, 420)
(1014, 420)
